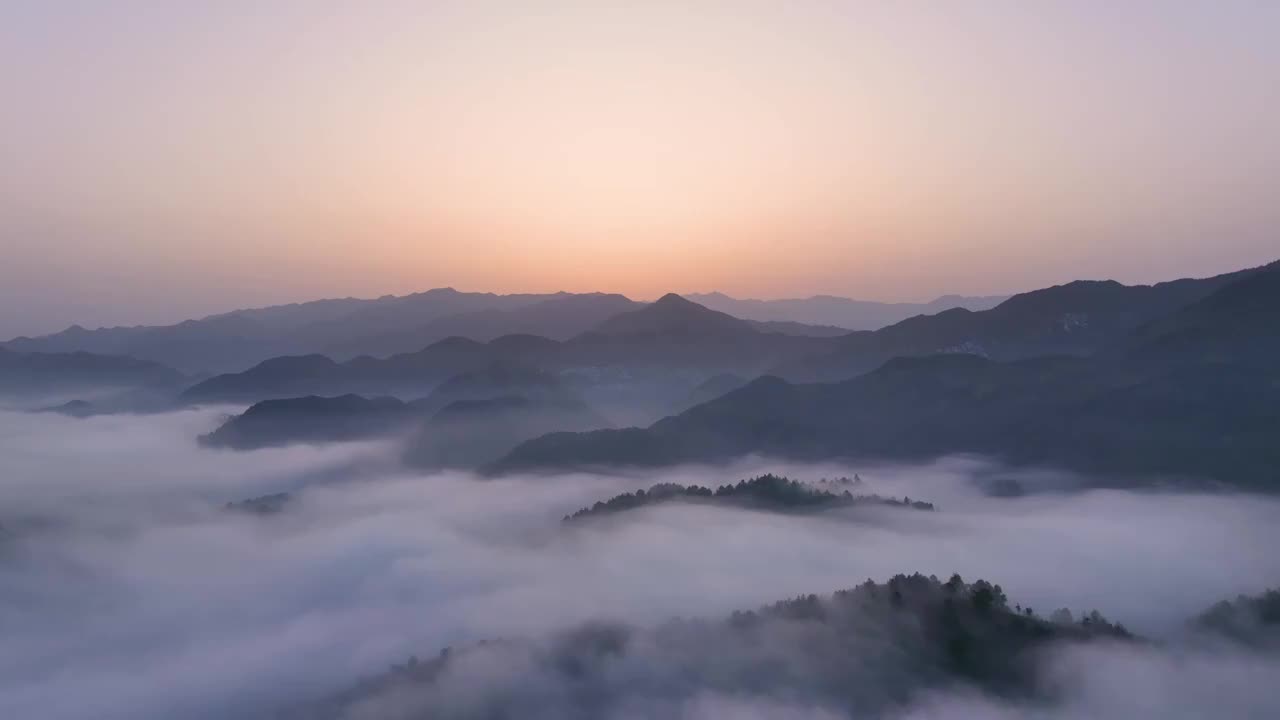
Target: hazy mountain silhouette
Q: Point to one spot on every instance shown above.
(222, 341)
(501, 380)
(34, 373)
(473, 432)
(312, 419)
(827, 310)
(406, 375)
(349, 328)
(558, 318)
(1192, 392)
(715, 387)
(1079, 318)
(675, 333)
(499, 395)
(791, 327)
(674, 315)
(669, 335)
(1236, 324)
(280, 377)
(1210, 409)
(71, 408)
(242, 338)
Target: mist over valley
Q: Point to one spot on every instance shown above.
(639, 360)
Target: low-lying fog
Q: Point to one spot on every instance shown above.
(127, 591)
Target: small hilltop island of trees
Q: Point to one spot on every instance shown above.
(1253, 620)
(768, 492)
(863, 649)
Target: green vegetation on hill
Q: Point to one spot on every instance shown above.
(1254, 620)
(766, 492)
(861, 650)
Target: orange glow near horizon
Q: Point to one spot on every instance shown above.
(226, 155)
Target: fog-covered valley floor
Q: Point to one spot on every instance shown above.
(128, 590)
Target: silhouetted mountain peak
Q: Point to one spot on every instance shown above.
(767, 383)
(673, 314)
(455, 342)
(674, 300)
(1078, 294)
(349, 402)
(295, 364)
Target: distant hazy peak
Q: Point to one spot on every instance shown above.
(455, 342)
(673, 313)
(673, 300)
(835, 311)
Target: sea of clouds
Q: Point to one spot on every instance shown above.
(128, 591)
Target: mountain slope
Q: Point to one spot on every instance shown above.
(311, 419)
(672, 335)
(863, 652)
(826, 310)
(558, 318)
(239, 339)
(500, 380)
(30, 373)
(675, 334)
(1079, 318)
(475, 432)
(1211, 409)
(280, 377)
(1209, 422)
(1234, 324)
(672, 315)
(409, 375)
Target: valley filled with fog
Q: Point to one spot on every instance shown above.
(129, 588)
(639, 361)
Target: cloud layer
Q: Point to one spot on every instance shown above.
(126, 591)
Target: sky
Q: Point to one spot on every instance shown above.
(164, 160)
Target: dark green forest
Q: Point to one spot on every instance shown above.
(765, 492)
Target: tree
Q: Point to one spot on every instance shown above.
(983, 598)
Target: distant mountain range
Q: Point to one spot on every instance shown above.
(35, 373)
(471, 419)
(347, 328)
(1079, 318)
(841, 312)
(1194, 392)
(1177, 378)
(311, 419)
(671, 335)
(343, 328)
